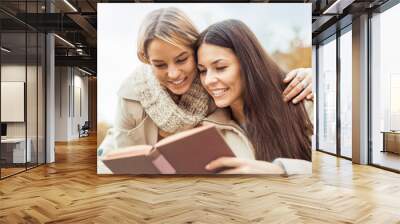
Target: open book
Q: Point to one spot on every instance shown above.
(187, 152)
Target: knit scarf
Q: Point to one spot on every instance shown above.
(159, 104)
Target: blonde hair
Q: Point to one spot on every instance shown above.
(168, 24)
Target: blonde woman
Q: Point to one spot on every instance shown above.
(164, 95)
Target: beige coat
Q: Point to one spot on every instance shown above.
(134, 127)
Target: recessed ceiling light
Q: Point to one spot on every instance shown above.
(5, 50)
(64, 40)
(338, 6)
(84, 71)
(70, 5)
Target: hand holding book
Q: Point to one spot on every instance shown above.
(187, 152)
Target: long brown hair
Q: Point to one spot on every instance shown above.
(275, 128)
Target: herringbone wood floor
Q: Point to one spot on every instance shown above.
(70, 191)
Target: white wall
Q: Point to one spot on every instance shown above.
(82, 83)
(62, 81)
(70, 83)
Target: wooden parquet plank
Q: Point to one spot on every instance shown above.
(70, 191)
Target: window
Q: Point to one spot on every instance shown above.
(327, 97)
(346, 94)
(385, 89)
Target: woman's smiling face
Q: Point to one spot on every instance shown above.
(174, 67)
(219, 70)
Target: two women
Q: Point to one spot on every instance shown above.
(165, 95)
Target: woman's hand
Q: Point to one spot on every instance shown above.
(300, 85)
(244, 166)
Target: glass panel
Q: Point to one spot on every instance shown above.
(314, 70)
(327, 97)
(13, 87)
(41, 98)
(346, 94)
(386, 89)
(23, 85)
(32, 85)
(31, 101)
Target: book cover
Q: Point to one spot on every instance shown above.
(187, 152)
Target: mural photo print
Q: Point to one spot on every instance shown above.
(204, 89)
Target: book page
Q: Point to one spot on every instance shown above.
(190, 152)
(130, 151)
(182, 134)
